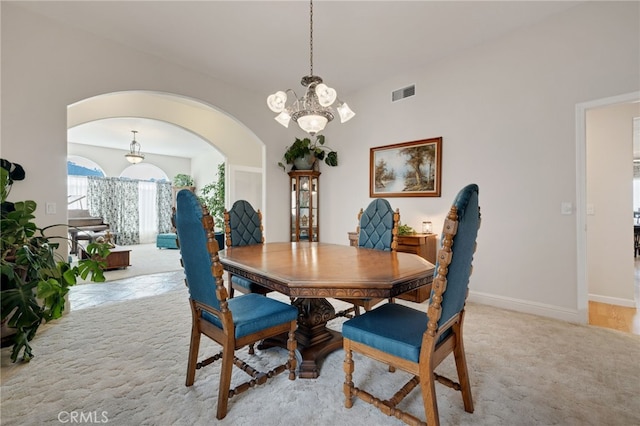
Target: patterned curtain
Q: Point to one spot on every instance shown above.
(163, 195)
(115, 200)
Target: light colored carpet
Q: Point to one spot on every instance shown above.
(127, 362)
(145, 259)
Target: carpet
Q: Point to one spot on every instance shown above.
(125, 364)
(145, 259)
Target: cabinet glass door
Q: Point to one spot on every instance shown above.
(304, 205)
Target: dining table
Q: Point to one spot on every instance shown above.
(311, 272)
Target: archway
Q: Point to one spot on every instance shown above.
(242, 149)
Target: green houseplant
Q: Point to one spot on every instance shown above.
(212, 196)
(35, 278)
(182, 180)
(313, 151)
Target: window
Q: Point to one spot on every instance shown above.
(78, 168)
(145, 171)
(146, 174)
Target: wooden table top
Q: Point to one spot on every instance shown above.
(315, 270)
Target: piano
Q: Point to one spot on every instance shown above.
(83, 226)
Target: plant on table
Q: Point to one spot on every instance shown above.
(35, 278)
(405, 230)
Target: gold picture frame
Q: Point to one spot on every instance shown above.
(409, 169)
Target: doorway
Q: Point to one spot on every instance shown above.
(604, 208)
(238, 145)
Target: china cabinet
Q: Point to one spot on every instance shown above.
(304, 187)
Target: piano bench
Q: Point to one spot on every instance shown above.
(169, 241)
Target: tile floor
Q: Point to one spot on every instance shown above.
(94, 294)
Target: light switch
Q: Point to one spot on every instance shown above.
(566, 207)
(50, 208)
(591, 210)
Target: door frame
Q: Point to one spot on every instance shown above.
(581, 193)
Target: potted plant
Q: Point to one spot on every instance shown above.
(212, 197)
(35, 278)
(181, 180)
(303, 153)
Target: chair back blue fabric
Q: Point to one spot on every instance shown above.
(376, 225)
(463, 248)
(245, 224)
(196, 260)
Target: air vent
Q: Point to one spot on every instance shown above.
(396, 95)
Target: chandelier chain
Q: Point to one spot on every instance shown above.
(311, 36)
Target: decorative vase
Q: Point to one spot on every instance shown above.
(304, 163)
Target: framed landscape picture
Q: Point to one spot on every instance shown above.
(409, 169)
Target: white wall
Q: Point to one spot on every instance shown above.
(505, 111)
(611, 271)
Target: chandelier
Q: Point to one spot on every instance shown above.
(315, 109)
(134, 156)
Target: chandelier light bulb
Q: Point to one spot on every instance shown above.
(283, 118)
(277, 101)
(326, 95)
(345, 112)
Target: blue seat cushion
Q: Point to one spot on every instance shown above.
(253, 312)
(391, 328)
(250, 286)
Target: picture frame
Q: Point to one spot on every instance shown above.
(408, 169)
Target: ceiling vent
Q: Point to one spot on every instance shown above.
(405, 92)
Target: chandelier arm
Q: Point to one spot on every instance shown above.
(294, 94)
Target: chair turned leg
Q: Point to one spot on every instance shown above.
(292, 345)
(348, 376)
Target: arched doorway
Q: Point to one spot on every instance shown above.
(244, 152)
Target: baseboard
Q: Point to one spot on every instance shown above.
(612, 300)
(541, 309)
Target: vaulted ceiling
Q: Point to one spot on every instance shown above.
(264, 45)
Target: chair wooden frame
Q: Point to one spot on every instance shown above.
(432, 352)
(229, 243)
(225, 336)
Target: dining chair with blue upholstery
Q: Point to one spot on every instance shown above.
(378, 226)
(415, 341)
(243, 226)
(232, 323)
(377, 229)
